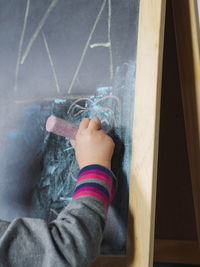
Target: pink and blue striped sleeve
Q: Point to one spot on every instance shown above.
(97, 182)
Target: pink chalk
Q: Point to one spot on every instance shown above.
(61, 127)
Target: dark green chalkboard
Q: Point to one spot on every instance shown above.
(70, 58)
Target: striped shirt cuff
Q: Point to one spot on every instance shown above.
(96, 181)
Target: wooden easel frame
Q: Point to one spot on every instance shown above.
(187, 29)
(145, 139)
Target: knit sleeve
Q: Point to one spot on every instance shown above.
(98, 182)
(74, 238)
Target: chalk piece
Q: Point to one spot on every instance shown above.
(61, 127)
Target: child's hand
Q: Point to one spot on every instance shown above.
(93, 145)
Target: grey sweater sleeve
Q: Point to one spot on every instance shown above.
(73, 239)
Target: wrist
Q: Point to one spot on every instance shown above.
(106, 164)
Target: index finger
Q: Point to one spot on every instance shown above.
(84, 123)
(94, 124)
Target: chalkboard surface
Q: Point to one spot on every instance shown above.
(73, 59)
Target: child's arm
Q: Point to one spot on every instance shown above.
(74, 238)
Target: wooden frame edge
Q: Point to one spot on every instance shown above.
(145, 139)
(146, 130)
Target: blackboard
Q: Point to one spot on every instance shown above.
(72, 59)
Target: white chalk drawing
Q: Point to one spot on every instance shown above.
(100, 45)
(21, 44)
(51, 62)
(108, 44)
(21, 58)
(109, 38)
(86, 46)
(97, 105)
(38, 30)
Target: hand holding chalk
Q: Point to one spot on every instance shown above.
(93, 145)
(61, 127)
